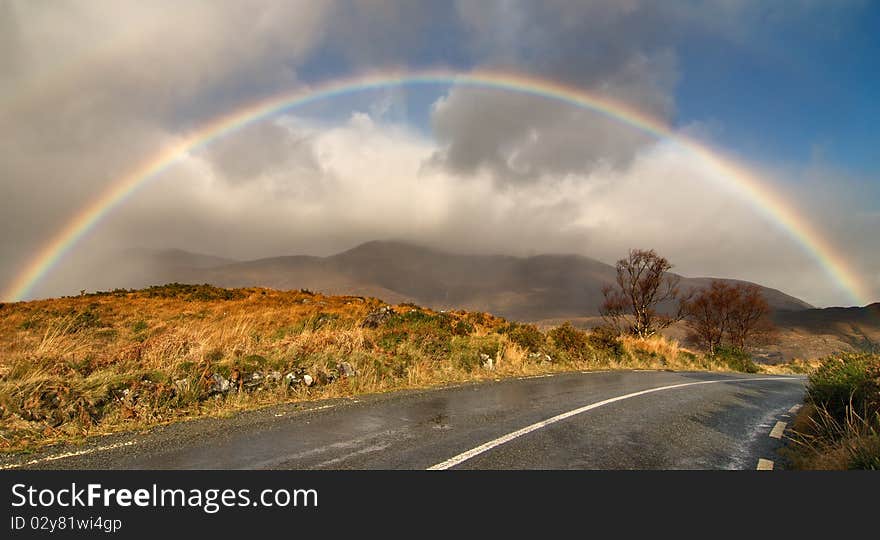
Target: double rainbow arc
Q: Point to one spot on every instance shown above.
(738, 178)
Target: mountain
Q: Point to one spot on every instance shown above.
(520, 288)
(819, 332)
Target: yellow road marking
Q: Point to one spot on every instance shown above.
(778, 430)
(765, 465)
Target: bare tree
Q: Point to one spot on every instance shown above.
(643, 283)
(749, 317)
(708, 315)
(724, 313)
(615, 309)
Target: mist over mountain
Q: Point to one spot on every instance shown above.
(521, 288)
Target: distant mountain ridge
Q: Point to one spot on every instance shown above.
(519, 288)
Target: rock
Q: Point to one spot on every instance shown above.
(346, 369)
(273, 376)
(308, 380)
(487, 361)
(253, 380)
(378, 317)
(219, 384)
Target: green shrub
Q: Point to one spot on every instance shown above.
(252, 362)
(844, 380)
(572, 341)
(736, 359)
(526, 336)
(463, 328)
(215, 355)
(389, 341)
(139, 326)
(606, 340)
(203, 293)
(322, 320)
(31, 324)
(399, 364)
(429, 333)
(465, 351)
(84, 319)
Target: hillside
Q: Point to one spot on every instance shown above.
(98, 363)
(519, 288)
(820, 332)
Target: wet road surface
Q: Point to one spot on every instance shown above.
(721, 423)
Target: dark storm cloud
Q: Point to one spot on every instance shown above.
(621, 50)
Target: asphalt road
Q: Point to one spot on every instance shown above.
(569, 421)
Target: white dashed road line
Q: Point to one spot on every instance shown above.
(485, 447)
(68, 454)
(778, 430)
(765, 465)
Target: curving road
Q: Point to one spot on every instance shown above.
(598, 420)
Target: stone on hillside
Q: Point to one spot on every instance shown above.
(219, 384)
(346, 369)
(377, 318)
(253, 380)
(487, 361)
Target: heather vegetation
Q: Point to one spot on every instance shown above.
(98, 363)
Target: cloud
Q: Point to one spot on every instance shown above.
(93, 89)
(372, 184)
(621, 50)
(265, 151)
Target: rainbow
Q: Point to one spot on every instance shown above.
(734, 176)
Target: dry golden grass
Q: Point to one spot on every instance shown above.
(94, 364)
(797, 365)
(820, 441)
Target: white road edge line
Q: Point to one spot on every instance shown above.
(778, 430)
(68, 454)
(113, 446)
(485, 447)
(764, 465)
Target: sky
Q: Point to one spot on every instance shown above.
(787, 90)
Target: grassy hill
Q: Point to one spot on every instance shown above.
(97, 363)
